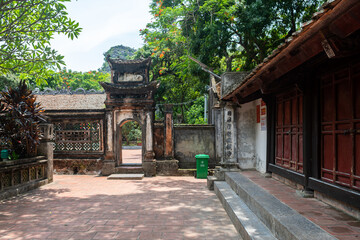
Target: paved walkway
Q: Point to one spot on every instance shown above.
(89, 207)
(131, 156)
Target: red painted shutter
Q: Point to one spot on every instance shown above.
(289, 131)
(340, 127)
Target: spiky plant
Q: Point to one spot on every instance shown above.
(20, 120)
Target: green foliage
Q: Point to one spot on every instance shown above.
(226, 35)
(247, 30)
(131, 131)
(181, 79)
(26, 28)
(19, 125)
(195, 114)
(118, 51)
(72, 79)
(8, 80)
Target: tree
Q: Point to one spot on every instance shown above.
(226, 35)
(131, 131)
(243, 32)
(67, 79)
(8, 80)
(114, 52)
(195, 114)
(26, 28)
(182, 80)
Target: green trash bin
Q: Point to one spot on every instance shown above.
(4, 154)
(202, 165)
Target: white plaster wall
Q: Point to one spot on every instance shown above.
(251, 140)
(260, 144)
(246, 119)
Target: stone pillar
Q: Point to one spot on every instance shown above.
(169, 136)
(109, 159)
(229, 135)
(46, 148)
(149, 163)
(168, 166)
(219, 137)
(229, 143)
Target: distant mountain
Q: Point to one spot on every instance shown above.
(119, 51)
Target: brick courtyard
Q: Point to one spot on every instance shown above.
(131, 156)
(90, 207)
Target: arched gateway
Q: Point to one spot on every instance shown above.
(129, 96)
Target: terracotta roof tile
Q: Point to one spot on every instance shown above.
(72, 102)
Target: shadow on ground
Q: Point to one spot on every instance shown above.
(96, 208)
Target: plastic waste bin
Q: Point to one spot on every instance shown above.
(202, 165)
(4, 154)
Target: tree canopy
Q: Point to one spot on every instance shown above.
(68, 79)
(26, 28)
(118, 51)
(226, 35)
(182, 80)
(242, 33)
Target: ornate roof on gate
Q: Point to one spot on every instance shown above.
(130, 86)
(130, 72)
(141, 88)
(128, 66)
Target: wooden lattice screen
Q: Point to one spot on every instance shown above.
(78, 136)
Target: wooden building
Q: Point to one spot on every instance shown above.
(311, 86)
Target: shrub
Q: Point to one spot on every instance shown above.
(19, 123)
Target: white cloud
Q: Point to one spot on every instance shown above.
(105, 23)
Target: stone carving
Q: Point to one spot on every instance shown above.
(130, 78)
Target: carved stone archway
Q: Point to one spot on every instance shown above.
(129, 96)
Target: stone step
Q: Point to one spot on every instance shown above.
(125, 177)
(123, 169)
(244, 220)
(280, 219)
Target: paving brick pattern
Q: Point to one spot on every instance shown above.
(337, 223)
(90, 207)
(131, 156)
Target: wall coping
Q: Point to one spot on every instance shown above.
(22, 161)
(194, 126)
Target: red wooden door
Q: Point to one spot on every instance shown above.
(340, 127)
(289, 131)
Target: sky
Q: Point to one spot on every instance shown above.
(105, 23)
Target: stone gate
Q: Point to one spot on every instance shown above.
(129, 97)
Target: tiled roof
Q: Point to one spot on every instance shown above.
(129, 66)
(123, 61)
(72, 102)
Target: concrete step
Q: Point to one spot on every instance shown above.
(125, 177)
(280, 219)
(124, 169)
(244, 220)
